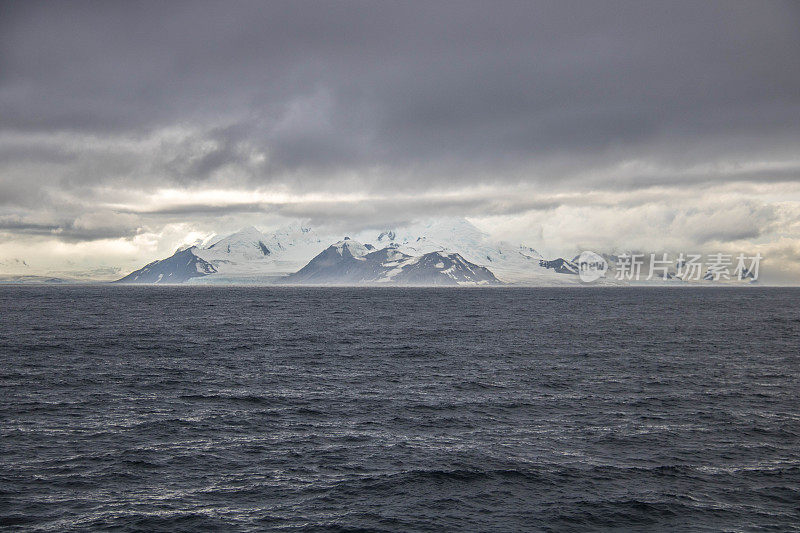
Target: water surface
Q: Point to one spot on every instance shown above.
(244, 409)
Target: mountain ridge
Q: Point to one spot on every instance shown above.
(350, 262)
(252, 256)
(180, 267)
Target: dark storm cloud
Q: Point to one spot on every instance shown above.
(355, 215)
(69, 230)
(477, 83)
(399, 97)
(205, 209)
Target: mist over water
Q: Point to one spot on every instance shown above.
(502, 409)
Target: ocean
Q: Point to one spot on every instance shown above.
(391, 409)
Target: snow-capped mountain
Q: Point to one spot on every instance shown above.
(349, 262)
(252, 256)
(340, 263)
(247, 243)
(440, 268)
(511, 263)
(560, 266)
(182, 266)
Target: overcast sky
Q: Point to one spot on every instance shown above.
(129, 128)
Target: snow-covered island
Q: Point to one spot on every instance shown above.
(449, 251)
(439, 252)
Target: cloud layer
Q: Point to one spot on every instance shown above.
(137, 125)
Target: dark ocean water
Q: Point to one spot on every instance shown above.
(243, 409)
